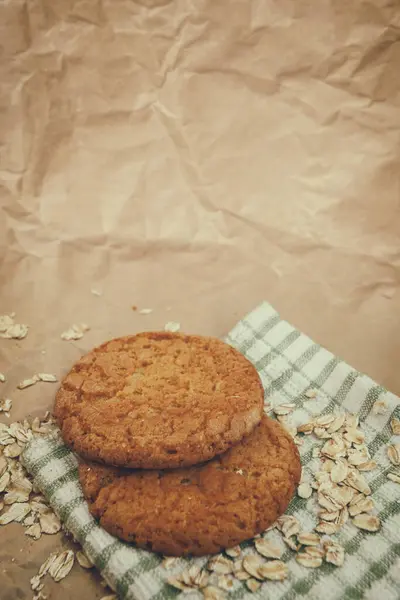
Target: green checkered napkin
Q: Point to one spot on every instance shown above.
(289, 364)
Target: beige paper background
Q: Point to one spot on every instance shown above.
(194, 157)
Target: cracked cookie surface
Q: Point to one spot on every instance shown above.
(158, 400)
(201, 509)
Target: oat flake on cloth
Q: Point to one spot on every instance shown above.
(289, 364)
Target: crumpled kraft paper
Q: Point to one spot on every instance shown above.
(193, 158)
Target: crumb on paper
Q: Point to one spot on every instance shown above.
(96, 292)
(2, 378)
(145, 311)
(134, 307)
(172, 326)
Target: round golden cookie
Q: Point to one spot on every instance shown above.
(158, 400)
(202, 509)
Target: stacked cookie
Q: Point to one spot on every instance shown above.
(176, 454)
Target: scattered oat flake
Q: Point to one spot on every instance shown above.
(325, 515)
(11, 330)
(17, 493)
(314, 551)
(199, 578)
(213, 593)
(333, 448)
(311, 393)
(274, 570)
(167, 563)
(145, 311)
(340, 495)
(379, 407)
(393, 452)
(367, 522)
(395, 425)
(36, 583)
(220, 564)
(49, 522)
(334, 554)
(12, 450)
(3, 465)
(393, 477)
(39, 507)
(5, 405)
(364, 504)
(308, 539)
(290, 541)
(47, 377)
(304, 490)
(356, 458)
(352, 421)
(225, 582)
(6, 321)
(20, 432)
(355, 436)
(325, 420)
(2, 378)
(28, 382)
(242, 575)
(306, 428)
(172, 326)
(339, 471)
(4, 481)
(17, 512)
(44, 568)
(193, 578)
(286, 521)
(284, 409)
(370, 465)
(253, 585)
(288, 525)
(337, 423)
(34, 531)
(251, 564)
(321, 433)
(61, 565)
(326, 527)
(75, 332)
(308, 561)
(267, 549)
(96, 292)
(357, 481)
(234, 552)
(83, 560)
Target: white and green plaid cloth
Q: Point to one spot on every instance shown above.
(289, 364)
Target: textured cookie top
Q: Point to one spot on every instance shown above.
(202, 509)
(158, 400)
